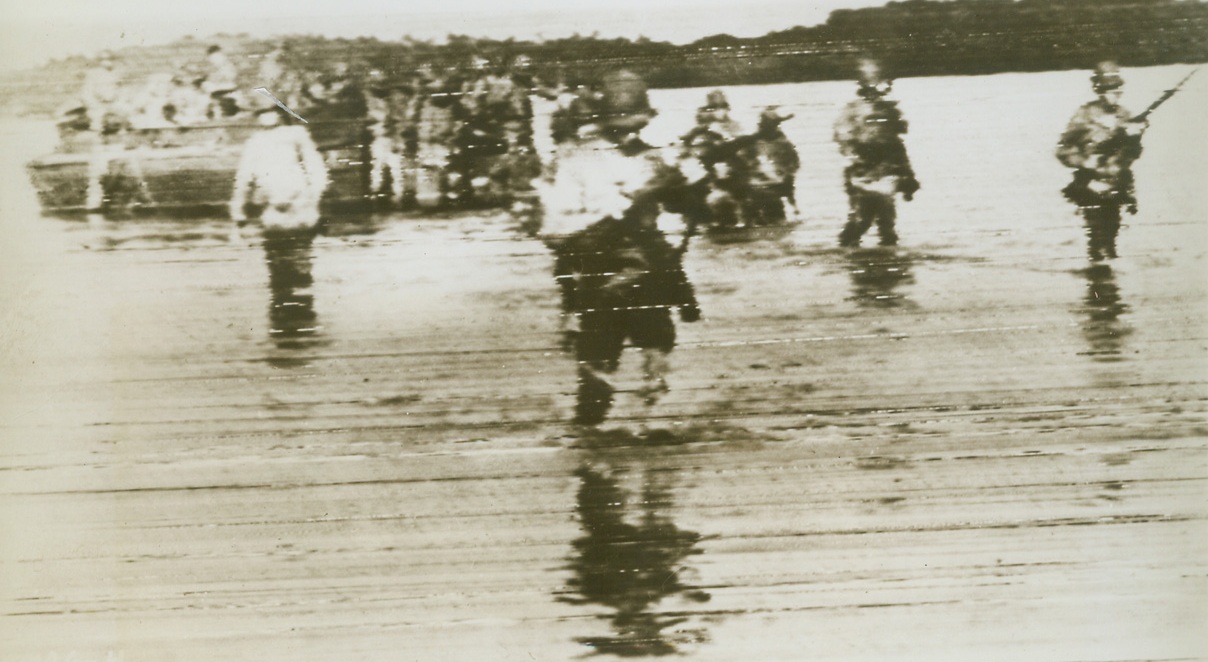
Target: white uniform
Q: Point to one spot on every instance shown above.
(594, 179)
(282, 170)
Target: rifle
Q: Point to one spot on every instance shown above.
(1162, 99)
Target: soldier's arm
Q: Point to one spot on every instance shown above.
(1132, 130)
(1072, 147)
(845, 129)
(790, 158)
(312, 164)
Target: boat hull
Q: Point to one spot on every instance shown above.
(181, 170)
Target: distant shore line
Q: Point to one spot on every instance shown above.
(915, 38)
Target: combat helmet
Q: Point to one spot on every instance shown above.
(1107, 77)
(624, 102)
(871, 80)
(771, 116)
(716, 100)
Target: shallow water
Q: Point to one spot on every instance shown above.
(974, 446)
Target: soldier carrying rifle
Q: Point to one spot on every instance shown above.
(869, 133)
(619, 273)
(1101, 143)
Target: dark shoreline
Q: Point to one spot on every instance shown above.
(912, 38)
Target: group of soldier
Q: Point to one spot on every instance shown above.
(195, 94)
(462, 136)
(617, 214)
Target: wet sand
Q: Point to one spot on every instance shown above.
(976, 446)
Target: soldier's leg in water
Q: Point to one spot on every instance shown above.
(394, 161)
(598, 350)
(764, 207)
(773, 211)
(723, 209)
(1100, 235)
(886, 214)
(411, 168)
(653, 332)
(377, 164)
(1111, 228)
(859, 218)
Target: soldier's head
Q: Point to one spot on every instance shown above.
(772, 117)
(716, 100)
(716, 109)
(275, 116)
(1107, 81)
(269, 117)
(871, 80)
(624, 105)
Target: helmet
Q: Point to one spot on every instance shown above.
(871, 80)
(1107, 77)
(716, 99)
(772, 116)
(625, 103)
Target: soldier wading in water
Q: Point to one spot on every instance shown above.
(869, 133)
(280, 181)
(1101, 143)
(619, 276)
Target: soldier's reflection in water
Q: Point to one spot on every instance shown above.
(631, 559)
(293, 323)
(1102, 327)
(876, 276)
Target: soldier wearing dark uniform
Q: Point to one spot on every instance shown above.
(703, 160)
(620, 277)
(436, 117)
(493, 157)
(1101, 143)
(385, 151)
(766, 163)
(869, 133)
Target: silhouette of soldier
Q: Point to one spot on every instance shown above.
(436, 116)
(705, 159)
(619, 276)
(385, 153)
(280, 180)
(869, 133)
(714, 126)
(766, 164)
(1101, 143)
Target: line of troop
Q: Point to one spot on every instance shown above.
(618, 213)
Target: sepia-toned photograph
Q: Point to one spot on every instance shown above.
(708, 330)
